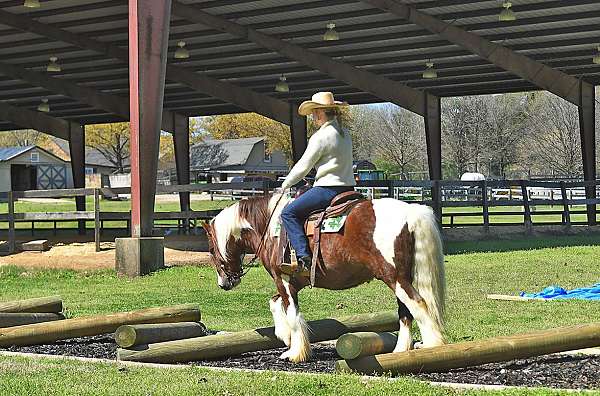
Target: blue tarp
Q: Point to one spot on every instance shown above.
(558, 293)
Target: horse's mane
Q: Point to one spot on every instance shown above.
(255, 211)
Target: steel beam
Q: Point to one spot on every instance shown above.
(181, 143)
(77, 153)
(433, 135)
(262, 104)
(587, 127)
(379, 86)
(298, 134)
(35, 120)
(148, 39)
(557, 82)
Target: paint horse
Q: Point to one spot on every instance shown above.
(386, 239)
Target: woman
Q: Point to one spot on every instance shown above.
(329, 151)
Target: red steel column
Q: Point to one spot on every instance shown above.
(148, 38)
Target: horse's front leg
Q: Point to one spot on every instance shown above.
(299, 344)
(282, 329)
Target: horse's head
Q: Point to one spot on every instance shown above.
(225, 247)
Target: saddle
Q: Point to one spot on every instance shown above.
(341, 205)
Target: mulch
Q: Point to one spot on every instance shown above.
(554, 371)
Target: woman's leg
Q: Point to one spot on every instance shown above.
(295, 214)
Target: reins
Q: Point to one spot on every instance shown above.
(262, 238)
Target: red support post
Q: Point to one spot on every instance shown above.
(148, 39)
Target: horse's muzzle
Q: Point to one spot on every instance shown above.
(227, 283)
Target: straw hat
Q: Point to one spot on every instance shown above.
(320, 100)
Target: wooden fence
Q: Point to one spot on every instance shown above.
(529, 198)
(98, 217)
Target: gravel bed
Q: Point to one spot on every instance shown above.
(555, 371)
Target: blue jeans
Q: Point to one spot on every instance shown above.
(295, 214)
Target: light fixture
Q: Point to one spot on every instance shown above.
(596, 58)
(44, 107)
(282, 85)
(507, 14)
(429, 71)
(331, 34)
(31, 4)
(182, 52)
(53, 66)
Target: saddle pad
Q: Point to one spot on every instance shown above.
(330, 225)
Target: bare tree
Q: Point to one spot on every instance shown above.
(556, 143)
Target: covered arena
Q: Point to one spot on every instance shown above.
(157, 63)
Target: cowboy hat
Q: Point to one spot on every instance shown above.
(320, 100)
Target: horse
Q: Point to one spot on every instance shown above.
(385, 239)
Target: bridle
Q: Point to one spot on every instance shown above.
(239, 274)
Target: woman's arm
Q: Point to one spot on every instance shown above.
(310, 157)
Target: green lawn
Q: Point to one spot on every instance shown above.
(471, 274)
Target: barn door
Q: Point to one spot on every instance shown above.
(52, 177)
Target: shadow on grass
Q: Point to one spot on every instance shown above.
(523, 243)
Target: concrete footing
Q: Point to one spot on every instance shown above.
(139, 256)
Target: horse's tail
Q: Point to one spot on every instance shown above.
(428, 269)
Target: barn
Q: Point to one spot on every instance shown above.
(32, 168)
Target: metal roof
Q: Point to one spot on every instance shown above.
(214, 154)
(562, 34)
(8, 153)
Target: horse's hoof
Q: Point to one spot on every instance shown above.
(418, 345)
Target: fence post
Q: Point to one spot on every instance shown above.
(12, 245)
(565, 202)
(527, 209)
(391, 189)
(265, 187)
(486, 214)
(436, 198)
(97, 219)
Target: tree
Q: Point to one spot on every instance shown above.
(167, 149)
(235, 126)
(111, 140)
(391, 137)
(555, 144)
(24, 137)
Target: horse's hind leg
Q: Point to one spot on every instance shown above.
(404, 342)
(430, 332)
(282, 329)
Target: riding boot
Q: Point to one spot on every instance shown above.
(302, 269)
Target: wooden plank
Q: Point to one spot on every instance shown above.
(127, 336)
(18, 319)
(473, 353)
(221, 345)
(55, 216)
(42, 333)
(506, 297)
(59, 193)
(97, 219)
(52, 304)
(40, 245)
(12, 244)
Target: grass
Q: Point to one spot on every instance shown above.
(529, 266)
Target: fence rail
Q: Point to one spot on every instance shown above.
(497, 200)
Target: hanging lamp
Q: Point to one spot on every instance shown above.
(507, 14)
(44, 107)
(282, 85)
(429, 70)
(31, 3)
(331, 34)
(182, 52)
(53, 66)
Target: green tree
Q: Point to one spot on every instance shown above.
(24, 137)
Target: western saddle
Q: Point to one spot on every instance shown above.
(341, 204)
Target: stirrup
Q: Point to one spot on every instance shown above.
(294, 268)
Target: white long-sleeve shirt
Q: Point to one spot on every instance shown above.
(329, 151)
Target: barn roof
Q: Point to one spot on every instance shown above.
(212, 154)
(8, 153)
(561, 34)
